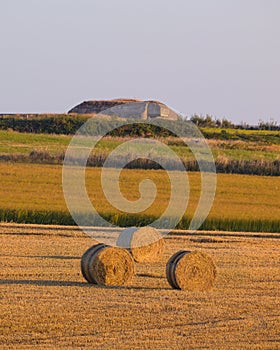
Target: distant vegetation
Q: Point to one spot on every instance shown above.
(237, 149)
(42, 124)
(69, 124)
(223, 164)
(209, 121)
(254, 152)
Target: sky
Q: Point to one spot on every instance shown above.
(218, 57)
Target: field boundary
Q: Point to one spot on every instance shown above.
(127, 220)
(77, 232)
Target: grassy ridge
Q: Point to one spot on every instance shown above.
(33, 194)
(237, 157)
(24, 143)
(231, 156)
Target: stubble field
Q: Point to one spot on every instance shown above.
(46, 304)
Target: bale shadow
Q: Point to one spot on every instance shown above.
(53, 283)
(45, 283)
(60, 257)
(207, 240)
(147, 275)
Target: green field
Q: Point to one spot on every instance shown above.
(34, 194)
(23, 143)
(13, 143)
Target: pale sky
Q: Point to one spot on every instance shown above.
(220, 57)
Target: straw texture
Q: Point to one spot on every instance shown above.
(145, 244)
(110, 266)
(193, 271)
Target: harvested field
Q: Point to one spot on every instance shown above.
(46, 303)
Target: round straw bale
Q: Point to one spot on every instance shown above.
(145, 244)
(193, 271)
(110, 266)
(171, 266)
(85, 261)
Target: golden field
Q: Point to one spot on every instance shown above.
(39, 187)
(46, 304)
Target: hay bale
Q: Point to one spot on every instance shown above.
(193, 271)
(110, 266)
(145, 244)
(171, 268)
(85, 261)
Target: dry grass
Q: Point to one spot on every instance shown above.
(46, 303)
